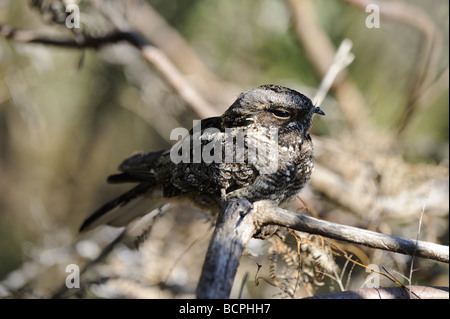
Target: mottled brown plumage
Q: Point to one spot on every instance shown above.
(258, 149)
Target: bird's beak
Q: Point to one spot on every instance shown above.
(319, 111)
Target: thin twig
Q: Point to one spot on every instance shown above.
(342, 59)
(411, 269)
(80, 42)
(320, 50)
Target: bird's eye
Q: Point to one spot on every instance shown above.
(281, 114)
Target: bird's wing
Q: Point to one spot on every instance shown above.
(137, 168)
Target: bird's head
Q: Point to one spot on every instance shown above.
(271, 106)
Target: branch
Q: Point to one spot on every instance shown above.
(151, 54)
(149, 22)
(159, 60)
(79, 42)
(423, 292)
(234, 229)
(239, 221)
(269, 213)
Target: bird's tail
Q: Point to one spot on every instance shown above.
(137, 202)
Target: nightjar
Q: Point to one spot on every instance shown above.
(258, 149)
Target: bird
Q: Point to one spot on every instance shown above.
(259, 149)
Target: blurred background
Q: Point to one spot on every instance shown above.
(69, 116)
